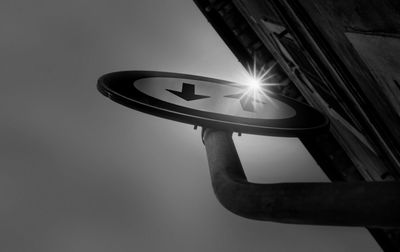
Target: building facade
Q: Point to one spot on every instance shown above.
(339, 56)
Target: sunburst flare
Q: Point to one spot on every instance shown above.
(257, 82)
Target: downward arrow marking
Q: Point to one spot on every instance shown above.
(246, 101)
(187, 93)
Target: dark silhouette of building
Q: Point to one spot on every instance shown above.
(341, 57)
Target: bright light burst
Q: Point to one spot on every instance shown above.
(256, 83)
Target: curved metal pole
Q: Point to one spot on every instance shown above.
(373, 204)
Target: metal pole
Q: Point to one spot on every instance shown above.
(372, 204)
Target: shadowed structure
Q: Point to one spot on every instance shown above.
(340, 203)
(341, 57)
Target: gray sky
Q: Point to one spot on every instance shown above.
(82, 173)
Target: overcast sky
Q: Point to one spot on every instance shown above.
(79, 172)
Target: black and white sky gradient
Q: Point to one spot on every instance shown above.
(79, 172)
